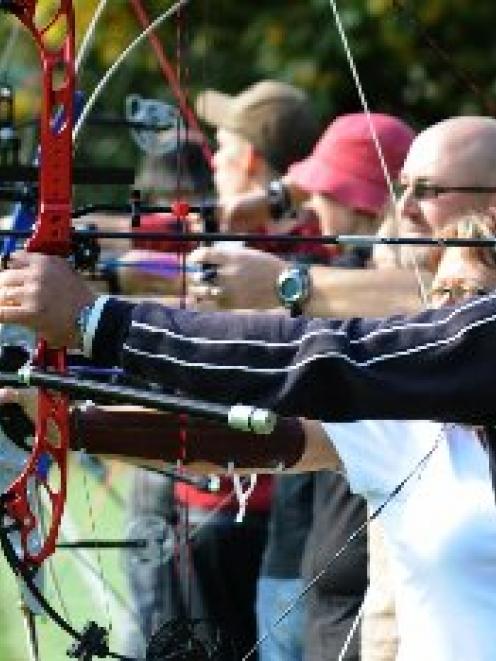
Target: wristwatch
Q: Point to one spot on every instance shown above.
(293, 288)
(279, 199)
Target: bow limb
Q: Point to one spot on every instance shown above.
(120, 60)
(52, 235)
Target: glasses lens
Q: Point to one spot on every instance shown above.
(477, 291)
(420, 190)
(424, 191)
(457, 292)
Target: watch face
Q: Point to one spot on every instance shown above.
(290, 289)
(293, 286)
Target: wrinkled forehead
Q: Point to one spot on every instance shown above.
(449, 156)
(431, 158)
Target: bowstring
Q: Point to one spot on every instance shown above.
(392, 195)
(81, 56)
(420, 465)
(182, 544)
(422, 291)
(89, 36)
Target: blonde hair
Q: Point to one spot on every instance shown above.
(473, 226)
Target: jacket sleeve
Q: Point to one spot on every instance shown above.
(439, 364)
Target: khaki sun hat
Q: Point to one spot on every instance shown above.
(276, 118)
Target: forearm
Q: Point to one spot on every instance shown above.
(143, 436)
(338, 292)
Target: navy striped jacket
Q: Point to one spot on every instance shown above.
(440, 364)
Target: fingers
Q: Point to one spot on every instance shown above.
(16, 314)
(209, 297)
(43, 293)
(205, 291)
(204, 265)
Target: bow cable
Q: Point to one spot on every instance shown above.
(174, 9)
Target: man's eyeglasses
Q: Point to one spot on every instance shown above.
(422, 190)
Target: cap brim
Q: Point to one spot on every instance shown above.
(360, 194)
(214, 108)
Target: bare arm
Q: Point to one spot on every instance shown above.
(246, 278)
(246, 212)
(340, 292)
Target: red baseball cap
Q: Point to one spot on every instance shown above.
(345, 165)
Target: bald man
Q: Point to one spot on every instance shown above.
(449, 170)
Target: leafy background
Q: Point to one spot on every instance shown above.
(228, 45)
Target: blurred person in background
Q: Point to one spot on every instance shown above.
(347, 194)
(153, 268)
(259, 133)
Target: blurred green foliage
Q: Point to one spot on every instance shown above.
(420, 59)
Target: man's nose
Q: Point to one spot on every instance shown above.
(408, 204)
(215, 159)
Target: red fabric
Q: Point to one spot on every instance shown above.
(163, 222)
(307, 224)
(259, 501)
(345, 164)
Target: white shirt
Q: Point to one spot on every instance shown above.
(440, 530)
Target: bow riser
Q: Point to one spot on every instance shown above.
(51, 235)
